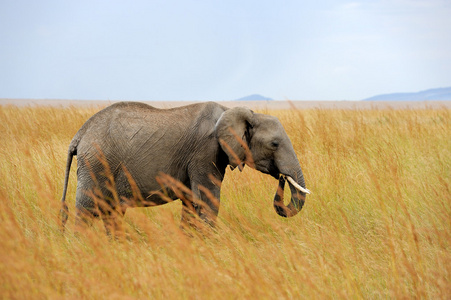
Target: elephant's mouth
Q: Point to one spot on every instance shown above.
(268, 168)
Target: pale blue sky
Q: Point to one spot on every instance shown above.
(222, 50)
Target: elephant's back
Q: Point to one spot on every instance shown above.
(117, 129)
(134, 135)
(132, 124)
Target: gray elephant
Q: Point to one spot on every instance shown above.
(134, 155)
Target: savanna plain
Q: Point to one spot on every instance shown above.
(377, 224)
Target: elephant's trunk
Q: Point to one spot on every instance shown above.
(298, 192)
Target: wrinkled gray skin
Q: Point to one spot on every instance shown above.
(193, 144)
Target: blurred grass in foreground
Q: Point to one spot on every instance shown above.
(378, 224)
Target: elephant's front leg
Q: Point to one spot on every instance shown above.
(205, 204)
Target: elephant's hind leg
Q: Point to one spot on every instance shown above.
(113, 222)
(83, 219)
(86, 210)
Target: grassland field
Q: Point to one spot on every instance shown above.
(377, 225)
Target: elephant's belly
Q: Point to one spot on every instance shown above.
(158, 192)
(152, 199)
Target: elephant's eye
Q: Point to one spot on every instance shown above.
(275, 144)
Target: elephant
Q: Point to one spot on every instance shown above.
(131, 154)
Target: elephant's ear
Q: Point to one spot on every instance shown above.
(233, 133)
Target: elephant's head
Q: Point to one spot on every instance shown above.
(260, 141)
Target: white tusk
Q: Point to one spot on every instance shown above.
(297, 186)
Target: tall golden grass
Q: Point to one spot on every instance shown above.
(378, 224)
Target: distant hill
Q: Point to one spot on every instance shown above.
(254, 97)
(432, 94)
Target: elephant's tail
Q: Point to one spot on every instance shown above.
(64, 212)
